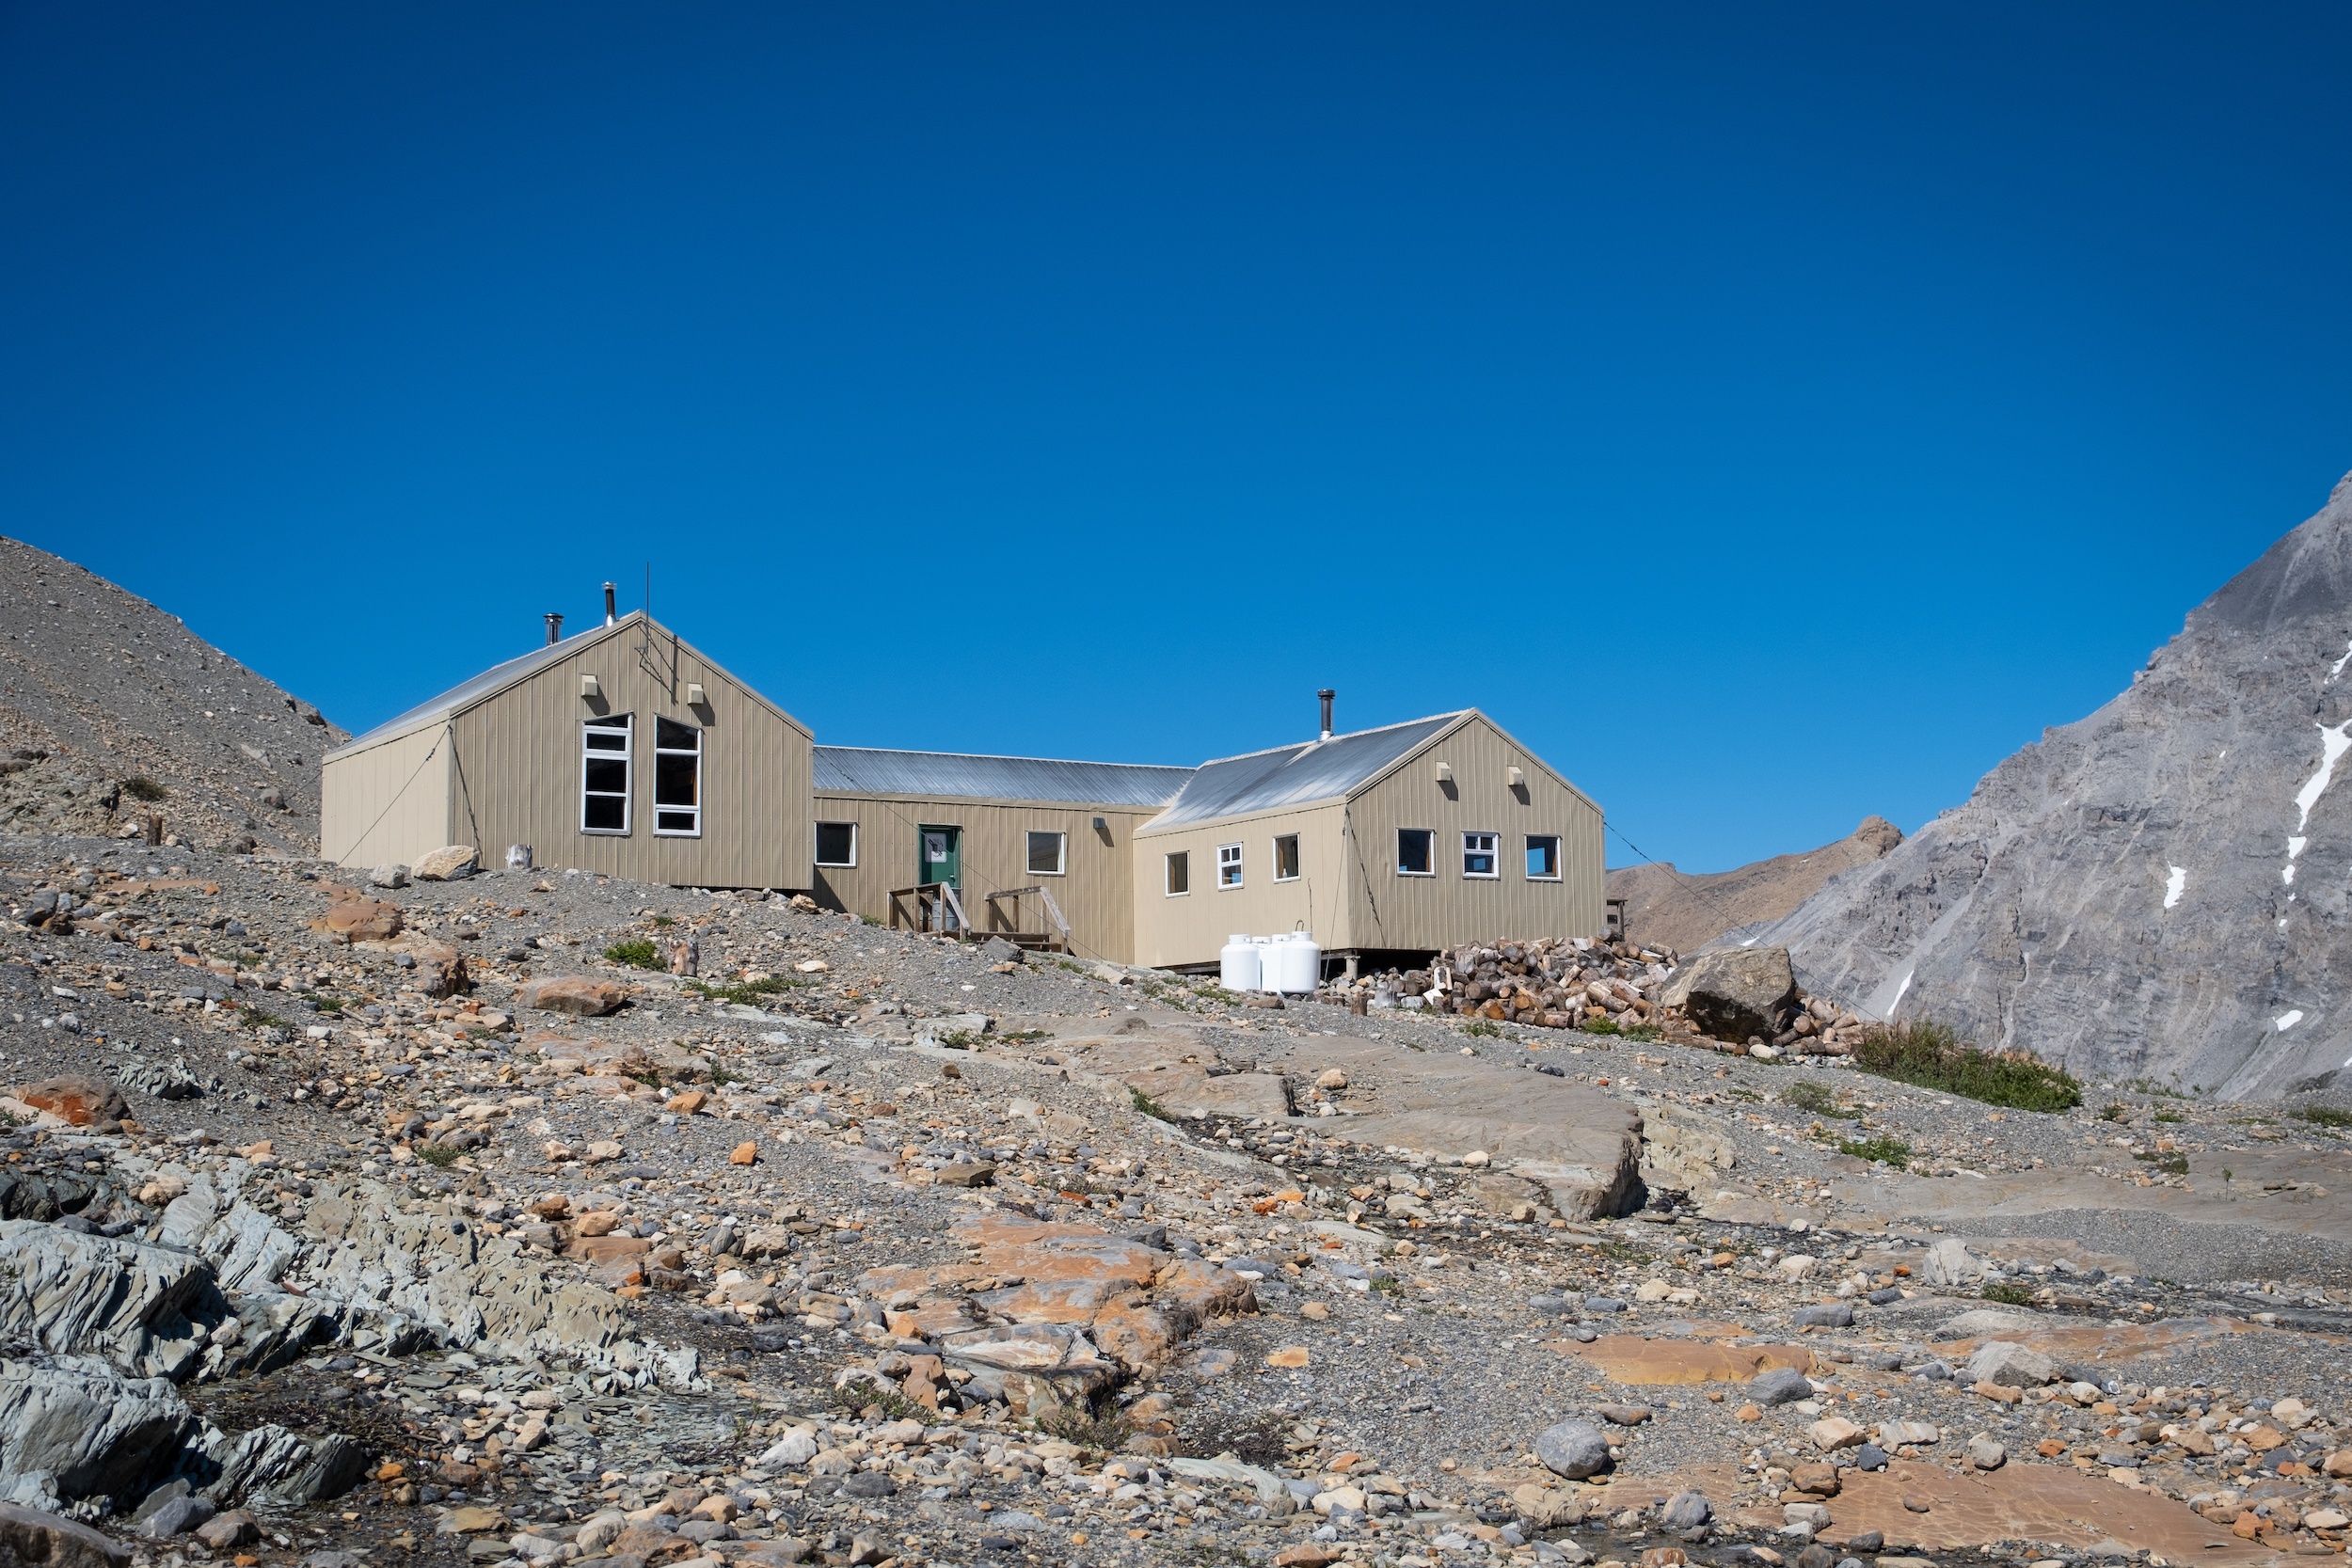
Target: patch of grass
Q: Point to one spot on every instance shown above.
(960, 1039)
(1387, 1285)
(329, 1006)
(1149, 1107)
(861, 1395)
(636, 953)
(1642, 1031)
(1104, 1433)
(1482, 1027)
(437, 1157)
(2322, 1115)
(720, 1077)
(665, 920)
(2148, 1085)
(1806, 1094)
(650, 1077)
(2008, 1294)
(261, 1020)
(2170, 1116)
(1598, 1027)
(1892, 1149)
(2171, 1164)
(745, 993)
(2116, 1113)
(1026, 1037)
(1933, 1057)
(140, 787)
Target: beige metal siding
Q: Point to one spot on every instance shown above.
(1397, 911)
(1095, 894)
(517, 770)
(1190, 928)
(388, 803)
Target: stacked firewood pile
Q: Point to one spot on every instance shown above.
(1596, 986)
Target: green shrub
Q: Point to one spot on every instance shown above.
(1933, 1057)
(1149, 1107)
(434, 1155)
(2116, 1113)
(140, 787)
(2171, 1164)
(1892, 1149)
(1807, 1095)
(2322, 1115)
(2008, 1294)
(1482, 1026)
(637, 953)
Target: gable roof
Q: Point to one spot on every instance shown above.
(864, 770)
(500, 677)
(1297, 775)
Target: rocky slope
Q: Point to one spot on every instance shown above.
(410, 1223)
(100, 689)
(2161, 890)
(1686, 910)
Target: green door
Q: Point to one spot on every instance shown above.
(942, 856)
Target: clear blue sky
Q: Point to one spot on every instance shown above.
(1771, 415)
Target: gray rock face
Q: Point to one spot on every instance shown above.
(71, 1427)
(2162, 889)
(1950, 1263)
(1825, 1314)
(1781, 1386)
(2011, 1365)
(1686, 1510)
(1735, 992)
(127, 1302)
(1573, 1448)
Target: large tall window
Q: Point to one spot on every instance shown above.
(678, 780)
(1179, 873)
(604, 768)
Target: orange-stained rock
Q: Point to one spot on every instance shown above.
(603, 1249)
(362, 920)
(597, 1222)
(688, 1102)
(79, 1101)
(1056, 1301)
(1138, 1334)
(744, 1153)
(1289, 1356)
(1627, 1358)
(1204, 1289)
(1038, 1251)
(573, 995)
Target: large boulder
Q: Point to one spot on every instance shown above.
(2010, 1365)
(29, 1535)
(573, 995)
(447, 866)
(1573, 1448)
(1734, 993)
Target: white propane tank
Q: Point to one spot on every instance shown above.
(1294, 964)
(1237, 967)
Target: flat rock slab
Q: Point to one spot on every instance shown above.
(1579, 1143)
(1629, 1358)
(2021, 1501)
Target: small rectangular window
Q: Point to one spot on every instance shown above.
(604, 769)
(1179, 873)
(1543, 857)
(1286, 857)
(1416, 851)
(1229, 865)
(1045, 853)
(837, 844)
(1480, 854)
(678, 780)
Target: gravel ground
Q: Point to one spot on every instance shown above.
(1415, 1309)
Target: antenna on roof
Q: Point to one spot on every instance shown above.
(1326, 694)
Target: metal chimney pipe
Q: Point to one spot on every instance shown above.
(1326, 694)
(555, 627)
(608, 616)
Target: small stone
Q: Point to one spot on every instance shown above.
(1623, 1415)
(744, 1153)
(1986, 1454)
(176, 1517)
(1315, 1311)
(1289, 1356)
(1686, 1510)
(1827, 1314)
(1780, 1385)
(226, 1531)
(452, 864)
(573, 995)
(1832, 1433)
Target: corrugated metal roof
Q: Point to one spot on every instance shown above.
(461, 697)
(1295, 775)
(858, 770)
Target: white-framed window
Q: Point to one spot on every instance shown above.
(1229, 865)
(1416, 851)
(1481, 855)
(1048, 853)
(1286, 857)
(837, 844)
(1180, 873)
(678, 780)
(1543, 857)
(605, 754)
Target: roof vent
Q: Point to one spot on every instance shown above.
(555, 627)
(1326, 694)
(608, 616)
